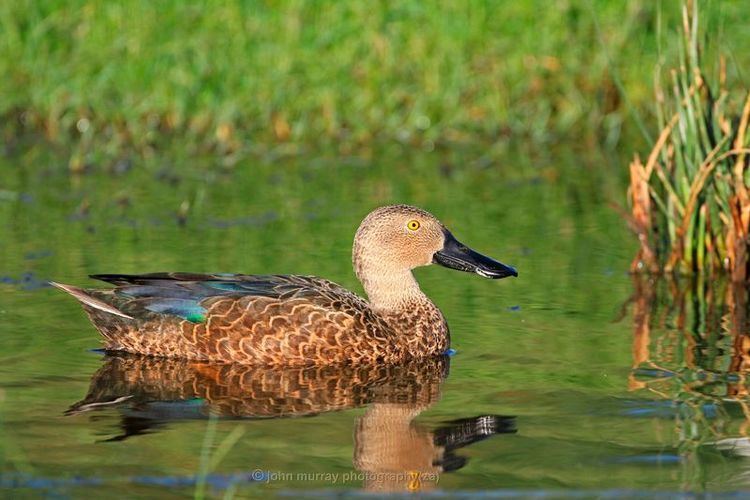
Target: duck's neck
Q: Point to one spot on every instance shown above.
(396, 297)
(391, 292)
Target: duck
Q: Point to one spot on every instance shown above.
(294, 320)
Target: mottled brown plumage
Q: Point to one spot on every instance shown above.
(293, 320)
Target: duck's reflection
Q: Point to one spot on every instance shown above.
(391, 450)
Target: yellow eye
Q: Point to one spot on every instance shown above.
(413, 225)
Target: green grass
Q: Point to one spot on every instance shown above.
(234, 77)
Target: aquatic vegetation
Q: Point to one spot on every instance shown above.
(690, 202)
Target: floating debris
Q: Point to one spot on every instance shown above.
(249, 220)
(38, 254)
(27, 281)
(122, 166)
(6, 195)
(182, 213)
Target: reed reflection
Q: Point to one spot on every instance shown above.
(691, 349)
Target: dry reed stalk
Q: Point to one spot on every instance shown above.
(641, 217)
(740, 203)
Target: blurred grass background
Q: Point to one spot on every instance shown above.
(238, 77)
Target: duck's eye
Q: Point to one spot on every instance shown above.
(413, 225)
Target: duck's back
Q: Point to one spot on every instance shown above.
(292, 320)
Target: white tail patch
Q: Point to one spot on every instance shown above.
(90, 301)
(74, 410)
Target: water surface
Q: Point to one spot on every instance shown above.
(571, 378)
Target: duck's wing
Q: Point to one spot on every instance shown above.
(189, 295)
(272, 285)
(274, 319)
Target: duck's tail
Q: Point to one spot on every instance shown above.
(85, 298)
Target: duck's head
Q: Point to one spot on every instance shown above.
(398, 238)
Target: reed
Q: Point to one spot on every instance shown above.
(689, 202)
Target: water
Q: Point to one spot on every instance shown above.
(572, 378)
